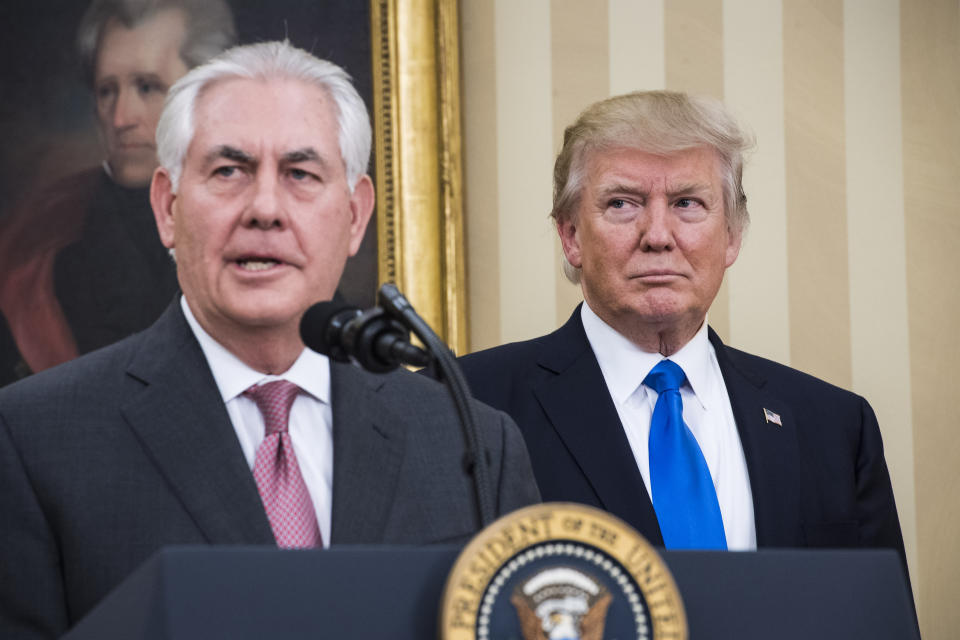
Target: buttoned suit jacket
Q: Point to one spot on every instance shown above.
(107, 458)
(818, 479)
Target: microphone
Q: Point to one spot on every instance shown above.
(379, 340)
(372, 338)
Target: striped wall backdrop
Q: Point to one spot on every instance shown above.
(851, 268)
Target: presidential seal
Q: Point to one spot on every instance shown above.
(560, 571)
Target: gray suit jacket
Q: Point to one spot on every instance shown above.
(108, 458)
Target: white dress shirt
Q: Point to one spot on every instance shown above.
(311, 418)
(706, 411)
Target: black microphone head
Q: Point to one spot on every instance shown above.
(321, 326)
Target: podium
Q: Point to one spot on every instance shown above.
(209, 593)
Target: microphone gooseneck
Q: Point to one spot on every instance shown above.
(398, 306)
(379, 340)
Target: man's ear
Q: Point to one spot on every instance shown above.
(570, 240)
(361, 207)
(734, 242)
(162, 198)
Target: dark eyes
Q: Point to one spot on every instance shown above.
(147, 87)
(680, 203)
(225, 172)
(230, 171)
(106, 91)
(144, 88)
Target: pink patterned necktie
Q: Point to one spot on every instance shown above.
(282, 489)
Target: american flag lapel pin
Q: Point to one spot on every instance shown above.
(770, 416)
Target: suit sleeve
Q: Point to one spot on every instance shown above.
(32, 603)
(516, 486)
(876, 509)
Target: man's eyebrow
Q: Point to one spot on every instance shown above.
(227, 152)
(306, 154)
(621, 187)
(149, 76)
(675, 190)
(684, 188)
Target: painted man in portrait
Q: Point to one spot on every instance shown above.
(82, 262)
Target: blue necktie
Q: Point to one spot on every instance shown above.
(683, 493)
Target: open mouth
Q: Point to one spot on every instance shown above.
(257, 264)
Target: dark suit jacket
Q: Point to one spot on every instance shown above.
(820, 480)
(109, 457)
(81, 266)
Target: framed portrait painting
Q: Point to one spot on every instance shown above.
(80, 265)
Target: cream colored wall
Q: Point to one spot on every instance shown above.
(850, 270)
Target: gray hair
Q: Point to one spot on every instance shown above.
(658, 122)
(210, 27)
(263, 61)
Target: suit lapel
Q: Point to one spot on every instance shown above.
(368, 445)
(183, 424)
(771, 450)
(578, 404)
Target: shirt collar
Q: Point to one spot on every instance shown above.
(310, 371)
(625, 365)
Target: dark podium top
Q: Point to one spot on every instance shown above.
(378, 592)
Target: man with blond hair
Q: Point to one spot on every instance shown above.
(635, 405)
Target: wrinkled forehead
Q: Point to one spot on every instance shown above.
(275, 114)
(643, 168)
(150, 46)
(235, 94)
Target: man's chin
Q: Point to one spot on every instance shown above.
(266, 310)
(251, 328)
(658, 303)
(663, 313)
(133, 175)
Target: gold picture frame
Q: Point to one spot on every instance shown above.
(416, 106)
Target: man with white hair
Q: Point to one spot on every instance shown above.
(216, 425)
(635, 405)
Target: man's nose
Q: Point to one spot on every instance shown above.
(265, 210)
(655, 227)
(127, 109)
